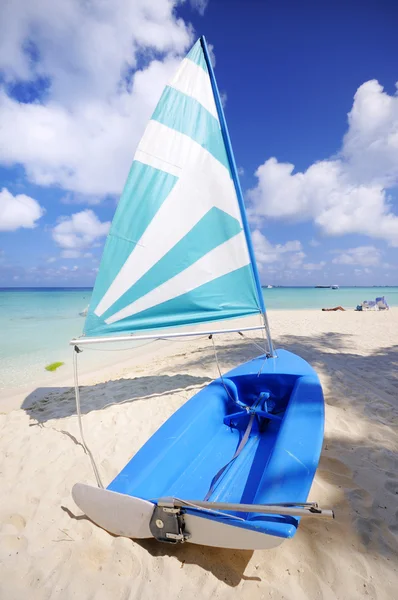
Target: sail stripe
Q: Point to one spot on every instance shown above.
(186, 115)
(196, 55)
(226, 297)
(167, 227)
(191, 80)
(211, 231)
(146, 189)
(224, 259)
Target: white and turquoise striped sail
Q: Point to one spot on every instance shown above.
(179, 250)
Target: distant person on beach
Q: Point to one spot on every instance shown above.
(334, 308)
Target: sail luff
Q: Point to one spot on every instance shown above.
(234, 173)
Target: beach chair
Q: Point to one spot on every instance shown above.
(369, 305)
(381, 303)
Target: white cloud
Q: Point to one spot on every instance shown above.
(314, 243)
(362, 255)
(314, 266)
(387, 265)
(199, 5)
(266, 253)
(241, 171)
(74, 198)
(48, 274)
(18, 211)
(371, 144)
(83, 133)
(282, 259)
(70, 254)
(80, 231)
(347, 193)
(365, 271)
(212, 55)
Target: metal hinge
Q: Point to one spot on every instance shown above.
(178, 537)
(167, 523)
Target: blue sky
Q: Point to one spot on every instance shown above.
(310, 101)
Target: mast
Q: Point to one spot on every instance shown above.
(238, 189)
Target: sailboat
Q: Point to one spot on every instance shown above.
(233, 466)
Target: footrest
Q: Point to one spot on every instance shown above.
(261, 407)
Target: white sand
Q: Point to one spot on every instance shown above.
(47, 550)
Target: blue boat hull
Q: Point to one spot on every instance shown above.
(277, 464)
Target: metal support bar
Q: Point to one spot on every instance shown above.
(268, 334)
(155, 336)
(305, 509)
(79, 418)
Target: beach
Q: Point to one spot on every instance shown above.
(49, 548)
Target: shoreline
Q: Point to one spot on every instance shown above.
(98, 363)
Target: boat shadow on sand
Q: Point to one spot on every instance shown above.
(56, 403)
(357, 474)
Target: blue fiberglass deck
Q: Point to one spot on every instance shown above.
(277, 464)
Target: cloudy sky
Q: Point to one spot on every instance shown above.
(310, 98)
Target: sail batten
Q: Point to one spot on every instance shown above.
(177, 252)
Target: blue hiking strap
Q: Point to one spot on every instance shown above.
(239, 449)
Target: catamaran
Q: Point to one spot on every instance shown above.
(234, 465)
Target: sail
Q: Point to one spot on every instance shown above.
(178, 250)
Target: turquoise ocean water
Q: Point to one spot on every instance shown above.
(36, 325)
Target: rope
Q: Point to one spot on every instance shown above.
(128, 348)
(219, 371)
(184, 339)
(253, 342)
(76, 350)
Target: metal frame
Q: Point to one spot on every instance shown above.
(156, 336)
(167, 523)
(305, 509)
